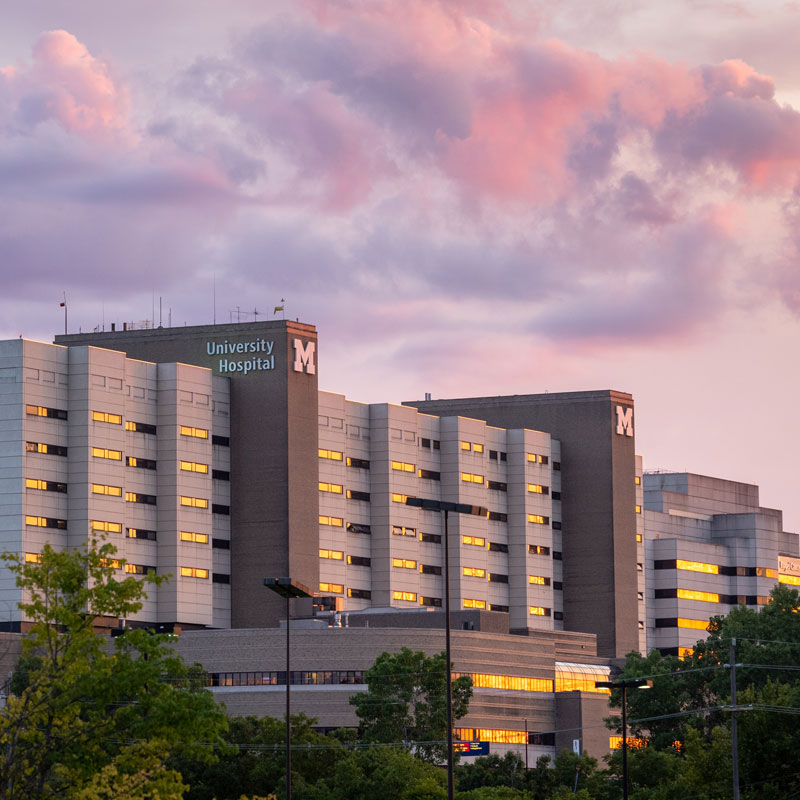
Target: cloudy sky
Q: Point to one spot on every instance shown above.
(465, 196)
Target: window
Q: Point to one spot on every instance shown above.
(33, 558)
(470, 603)
(696, 566)
(409, 596)
(193, 466)
(196, 433)
(558, 615)
(789, 580)
(111, 491)
(105, 416)
(140, 463)
(192, 536)
(476, 541)
(496, 607)
(332, 455)
(466, 446)
(640, 567)
(470, 477)
(498, 516)
(537, 488)
(431, 538)
(559, 586)
(493, 455)
(103, 452)
(336, 555)
(638, 536)
(333, 488)
(402, 530)
(140, 427)
(435, 602)
(682, 622)
(538, 519)
(535, 458)
(45, 486)
(403, 466)
(352, 494)
(498, 547)
(539, 611)
(495, 577)
(538, 550)
(48, 449)
(358, 527)
(693, 594)
(539, 580)
(140, 569)
(220, 475)
(477, 447)
(399, 498)
(497, 486)
(637, 480)
(473, 572)
(112, 563)
(404, 563)
(357, 463)
(509, 682)
(141, 533)
(638, 509)
(194, 502)
(220, 577)
(360, 594)
(429, 475)
(557, 555)
(503, 456)
(104, 525)
(555, 495)
(334, 522)
(45, 522)
(150, 499)
(333, 588)
(194, 572)
(358, 561)
(430, 569)
(220, 544)
(219, 508)
(557, 466)
(423, 442)
(41, 411)
(436, 444)
(221, 441)
(556, 525)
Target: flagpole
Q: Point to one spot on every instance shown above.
(64, 304)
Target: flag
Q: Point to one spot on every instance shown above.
(278, 308)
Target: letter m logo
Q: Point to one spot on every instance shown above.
(624, 420)
(304, 356)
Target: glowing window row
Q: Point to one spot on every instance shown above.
(693, 594)
(510, 682)
(336, 522)
(336, 555)
(473, 572)
(410, 597)
(195, 433)
(332, 455)
(45, 522)
(111, 491)
(404, 563)
(633, 742)
(539, 580)
(105, 416)
(334, 588)
(193, 572)
(194, 502)
(474, 447)
(491, 735)
(539, 611)
(572, 681)
(104, 452)
(333, 488)
(193, 536)
(193, 466)
(537, 488)
(105, 526)
(472, 603)
(49, 449)
(538, 519)
(42, 411)
(789, 580)
(476, 541)
(470, 477)
(403, 466)
(45, 486)
(536, 458)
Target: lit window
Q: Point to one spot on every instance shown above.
(539, 580)
(580, 678)
(111, 563)
(411, 597)
(692, 594)
(333, 455)
(193, 466)
(33, 558)
(104, 525)
(685, 652)
(333, 488)
(697, 566)
(140, 427)
(539, 611)
(45, 486)
(766, 572)
(399, 498)
(336, 555)
(470, 477)
(538, 550)
(104, 416)
(473, 572)
(492, 735)
(197, 433)
(193, 572)
(103, 452)
(537, 488)
(404, 563)
(476, 541)
(111, 491)
(403, 466)
(789, 580)
(477, 448)
(192, 536)
(466, 445)
(336, 522)
(41, 411)
(402, 530)
(635, 743)
(45, 522)
(508, 682)
(140, 569)
(141, 533)
(538, 519)
(638, 537)
(535, 458)
(694, 624)
(140, 463)
(49, 449)
(138, 497)
(637, 480)
(334, 588)
(470, 603)
(638, 509)
(194, 502)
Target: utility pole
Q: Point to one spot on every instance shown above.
(734, 730)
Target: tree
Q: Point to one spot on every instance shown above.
(89, 719)
(406, 702)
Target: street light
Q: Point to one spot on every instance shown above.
(458, 508)
(624, 684)
(288, 588)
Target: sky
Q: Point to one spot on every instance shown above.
(466, 197)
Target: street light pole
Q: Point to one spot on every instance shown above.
(288, 588)
(459, 508)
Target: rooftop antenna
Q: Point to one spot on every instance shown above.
(159, 313)
(63, 305)
(214, 293)
(256, 312)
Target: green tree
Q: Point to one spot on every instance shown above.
(406, 702)
(90, 718)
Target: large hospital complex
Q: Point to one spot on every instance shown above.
(210, 454)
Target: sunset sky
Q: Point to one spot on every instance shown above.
(465, 196)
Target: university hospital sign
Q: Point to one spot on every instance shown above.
(260, 356)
